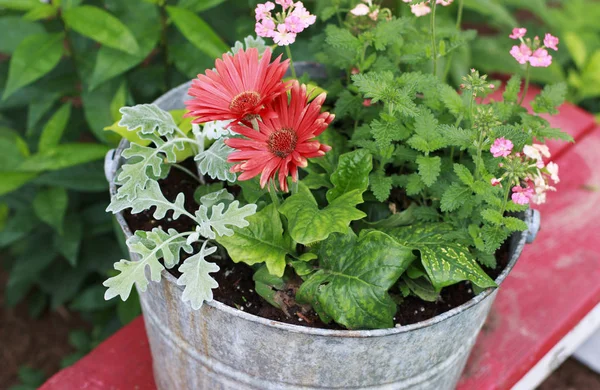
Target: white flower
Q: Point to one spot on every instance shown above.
(360, 10)
(217, 129)
(553, 171)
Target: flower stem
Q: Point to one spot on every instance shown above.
(190, 173)
(289, 54)
(458, 28)
(273, 193)
(505, 200)
(433, 42)
(527, 76)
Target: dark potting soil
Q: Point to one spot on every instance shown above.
(236, 287)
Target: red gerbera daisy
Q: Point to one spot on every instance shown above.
(239, 90)
(283, 143)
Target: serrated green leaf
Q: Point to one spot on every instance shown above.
(381, 185)
(213, 162)
(427, 138)
(35, 56)
(197, 31)
(515, 224)
(493, 237)
(455, 196)
(348, 104)
(446, 261)
(50, 205)
(492, 216)
(352, 173)
(53, 131)
(262, 240)
(149, 246)
(429, 169)
(452, 100)
(102, 27)
(513, 87)
(414, 184)
(354, 276)
(308, 224)
(464, 174)
(196, 279)
(550, 98)
(216, 197)
(386, 132)
(456, 136)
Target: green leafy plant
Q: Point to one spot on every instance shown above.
(66, 67)
(410, 188)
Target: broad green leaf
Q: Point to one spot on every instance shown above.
(308, 224)
(96, 106)
(352, 173)
(422, 288)
(199, 5)
(213, 162)
(102, 27)
(64, 156)
(196, 279)
(353, 278)
(577, 48)
(42, 11)
(14, 30)
(19, 5)
(88, 300)
(4, 211)
(87, 177)
(14, 149)
(35, 56)
(150, 246)
(21, 223)
(494, 10)
(118, 101)
(261, 241)
(429, 169)
(53, 131)
(150, 196)
(149, 119)
(50, 205)
(197, 31)
(111, 62)
(69, 242)
(446, 261)
(218, 222)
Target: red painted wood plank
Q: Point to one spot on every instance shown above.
(121, 362)
(555, 283)
(570, 119)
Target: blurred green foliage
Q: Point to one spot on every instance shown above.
(66, 67)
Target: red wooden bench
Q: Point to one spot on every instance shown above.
(545, 309)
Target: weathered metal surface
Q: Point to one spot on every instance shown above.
(219, 347)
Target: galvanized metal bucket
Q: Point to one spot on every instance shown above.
(219, 347)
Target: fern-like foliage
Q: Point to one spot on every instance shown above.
(196, 279)
(213, 162)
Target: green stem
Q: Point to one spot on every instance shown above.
(188, 172)
(273, 193)
(289, 54)
(505, 200)
(458, 28)
(433, 42)
(164, 43)
(526, 84)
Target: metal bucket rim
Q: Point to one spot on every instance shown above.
(520, 243)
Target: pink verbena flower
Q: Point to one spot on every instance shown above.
(283, 37)
(518, 32)
(305, 16)
(265, 28)
(502, 147)
(445, 3)
(495, 182)
(420, 9)
(522, 195)
(521, 53)
(294, 24)
(264, 10)
(285, 4)
(360, 10)
(540, 58)
(551, 42)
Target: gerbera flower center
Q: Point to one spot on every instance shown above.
(245, 101)
(283, 142)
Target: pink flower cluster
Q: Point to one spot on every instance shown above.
(531, 51)
(285, 25)
(423, 8)
(366, 9)
(527, 167)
